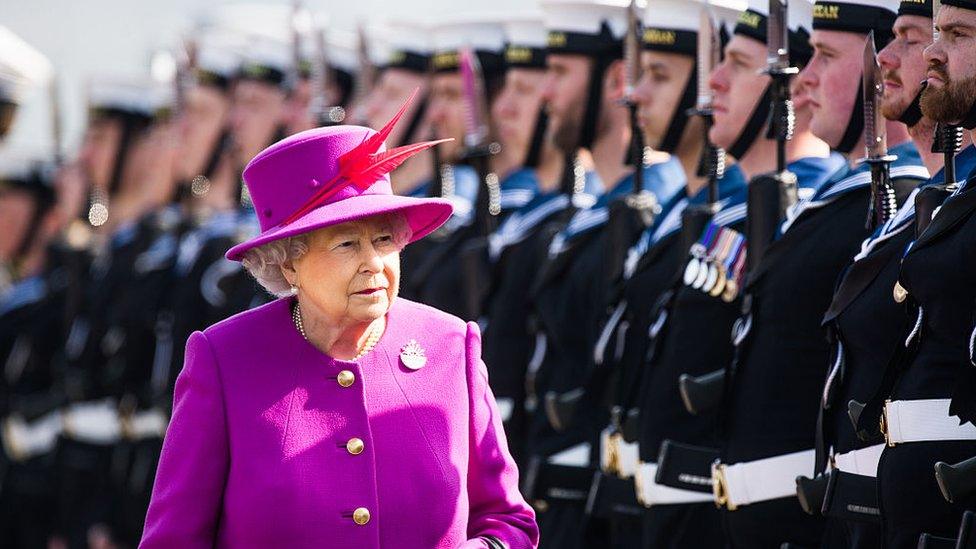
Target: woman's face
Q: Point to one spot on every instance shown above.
(351, 272)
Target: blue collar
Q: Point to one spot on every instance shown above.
(665, 180)
(518, 188)
(22, 293)
(965, 166)
(813, 171)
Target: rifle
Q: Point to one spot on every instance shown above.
(883, 201)
(701, 394)
(948, 137)
(478, 144)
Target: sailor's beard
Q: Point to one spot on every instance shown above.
(951, 102)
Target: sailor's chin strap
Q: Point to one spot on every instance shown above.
(594, 97)
(855, 124)
(913, 112)
(751, 131)
(679, 118)
(534, 155)
(969, 121)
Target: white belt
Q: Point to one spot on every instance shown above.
(93, 422)
(574, 456)
(860, 462)
(145, 424)
(649, 492)
(22, 440)
(922, 421)
(617, 455)
(761, 480)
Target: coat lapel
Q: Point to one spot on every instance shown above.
(954, 211)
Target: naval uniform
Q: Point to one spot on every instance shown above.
(31, 321)
(937, 271)
(773, 385)
(866, 326)
(690, 336)
(573, 284)
(649, 271)
(517, 250)
(435, 259)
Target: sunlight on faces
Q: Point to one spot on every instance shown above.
(951, 60)
(737, 85)
(296, 114)
(16, 211)
(447, 111)
(515, 110)
(258, 108)
(833, 78)
(148, 169)
(659, 90)
(200, 123)
(902, 64)
(565, 90)
(351, 272)
(98, 148)
(391, 91)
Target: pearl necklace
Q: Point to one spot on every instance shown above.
(371, 340)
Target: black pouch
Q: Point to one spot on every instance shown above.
(545, 481)
(611, 495)
(686, 466)
(852, 497)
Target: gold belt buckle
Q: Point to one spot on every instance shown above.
(613, 443)
(884, 424)
(720, 487)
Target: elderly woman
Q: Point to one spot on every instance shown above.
(338, 415)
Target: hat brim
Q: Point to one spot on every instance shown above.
(424, 215)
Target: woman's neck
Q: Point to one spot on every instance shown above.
(343, 340)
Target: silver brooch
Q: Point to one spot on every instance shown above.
(412, 355)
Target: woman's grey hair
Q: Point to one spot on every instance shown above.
(264, 262)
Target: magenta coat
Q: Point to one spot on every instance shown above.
(260, 450)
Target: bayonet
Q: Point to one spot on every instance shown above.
(320, 106)
(477, 138)
(632, 74)
(948, 137)
(365, 78)
(712, 164)
(781, 117)
(883, 204)
(298, 26)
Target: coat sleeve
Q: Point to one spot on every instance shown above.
(188, 492)
(497, 509)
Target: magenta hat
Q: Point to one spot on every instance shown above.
(328, 176)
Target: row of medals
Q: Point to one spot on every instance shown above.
(709, 273)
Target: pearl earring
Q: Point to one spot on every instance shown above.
(293, 290)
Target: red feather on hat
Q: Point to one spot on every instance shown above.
(363, 165)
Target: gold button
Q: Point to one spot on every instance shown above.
(355, 446)
(346, 378)
(360, 516)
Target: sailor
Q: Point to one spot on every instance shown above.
(768, 426)
(584, 89)
(930, 379)
(23, 70)
(517, 247)
(31, 320)
(690, 327)
(664, 99)
(128, 153)
(467, 48)
(866, 323)
(404, 69)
